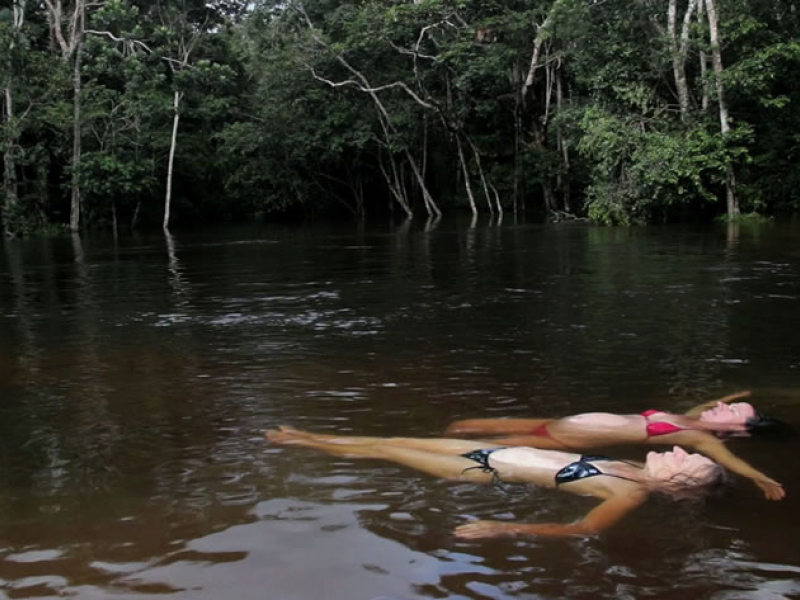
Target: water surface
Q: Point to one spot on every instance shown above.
(137, 376)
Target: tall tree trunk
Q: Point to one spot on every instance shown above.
(42, 196)
(176, 117)
(678, 50)
(517, 144)
(540, 143)
(541, 35)
(701, 15)
(424, 144)
(724, 117)
(563, 179)
(10, 182)
(68, 34)
(75, 201)
(9, 166)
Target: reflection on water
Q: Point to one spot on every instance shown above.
(137, 374)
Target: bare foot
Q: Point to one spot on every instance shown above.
(284, 435)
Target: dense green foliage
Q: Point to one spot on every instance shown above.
(557, 109)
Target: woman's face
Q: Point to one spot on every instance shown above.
(737, 413)
(679, 464)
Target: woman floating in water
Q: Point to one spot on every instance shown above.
(699, 429)
(622, 485)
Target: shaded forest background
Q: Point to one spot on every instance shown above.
(120, 113)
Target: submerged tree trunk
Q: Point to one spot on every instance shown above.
(176, 117)
(724, 117)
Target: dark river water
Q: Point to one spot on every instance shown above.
(137, 377)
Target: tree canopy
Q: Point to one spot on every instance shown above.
(128, 112)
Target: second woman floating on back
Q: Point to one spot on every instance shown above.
(621, 485)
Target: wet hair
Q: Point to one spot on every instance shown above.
(686, 487)
(767, 427)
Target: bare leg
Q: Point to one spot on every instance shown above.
(534, 441)
(438, 445)
(445, 465)
(495, 426)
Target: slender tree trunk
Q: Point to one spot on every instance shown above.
(481, 174)
(135, 217)
(701, 16)
(430, 203)
(724, 117)
(9, 166)
(176, 117)
(67, 33)
(498, 205)
(541, 35)
(392, 182)
(465, 171)
(424, 144)
(678, 51)
(563, 179)
(540, 141)
(517, 143)
(549, 197)
(75, 201)
(10, 182)
(41, 191)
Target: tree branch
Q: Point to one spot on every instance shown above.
(370, 90)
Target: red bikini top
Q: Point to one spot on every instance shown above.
(656, 428)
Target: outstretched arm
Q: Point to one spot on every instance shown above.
(697, 410)
(599, 519)
(716, 450)
(685, 422)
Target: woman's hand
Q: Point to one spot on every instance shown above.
(485, 529)
(599, 519)
(771, 488)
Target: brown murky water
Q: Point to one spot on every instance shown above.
(137, 376)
